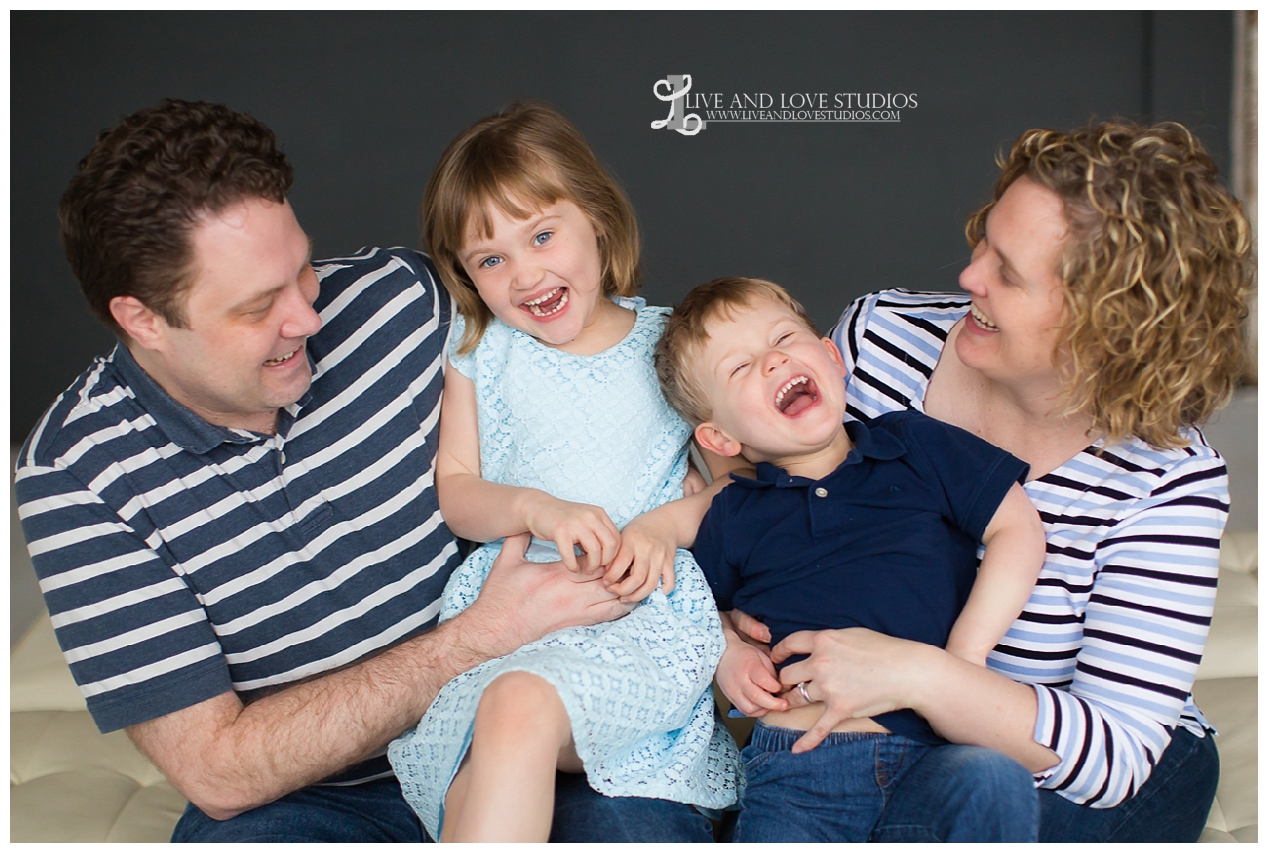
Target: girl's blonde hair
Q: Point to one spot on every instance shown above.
(1157, 269)
(521, 160)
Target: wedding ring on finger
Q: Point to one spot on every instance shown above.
(805, 694)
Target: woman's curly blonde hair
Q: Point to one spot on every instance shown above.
(1157, 270)
(530, 154)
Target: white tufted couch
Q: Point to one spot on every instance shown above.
(69, 783)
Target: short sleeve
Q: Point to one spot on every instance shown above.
(974, 474)
(465, 363)
(135, 636)
(711, 556)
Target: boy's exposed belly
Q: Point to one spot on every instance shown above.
(801, 719)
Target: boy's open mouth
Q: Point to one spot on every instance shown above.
(548, 304)
(796, 395)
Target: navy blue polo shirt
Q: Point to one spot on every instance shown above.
(887, 541)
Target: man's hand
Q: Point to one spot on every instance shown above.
(521, 601)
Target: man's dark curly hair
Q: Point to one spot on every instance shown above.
(127, 215)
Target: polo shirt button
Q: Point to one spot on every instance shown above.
(821, 492)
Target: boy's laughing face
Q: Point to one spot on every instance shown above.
(777, 390)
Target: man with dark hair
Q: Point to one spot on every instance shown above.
(233, 515)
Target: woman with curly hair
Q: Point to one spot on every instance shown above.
(1101, 325)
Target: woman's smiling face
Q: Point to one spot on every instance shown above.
(1011, 333)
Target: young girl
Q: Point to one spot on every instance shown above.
(553, 424)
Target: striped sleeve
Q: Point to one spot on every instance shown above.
(1144, 629)
(1113, 633)
(96, 573)
(890, 342)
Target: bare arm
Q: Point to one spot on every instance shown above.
(649, 541)
(856, 672)
(1015, 547)
(227, 758)
(477, 509)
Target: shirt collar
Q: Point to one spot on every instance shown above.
(185, 429)
(868, 444)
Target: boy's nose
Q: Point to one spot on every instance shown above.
(773, 359)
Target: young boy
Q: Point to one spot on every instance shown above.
(871, 524)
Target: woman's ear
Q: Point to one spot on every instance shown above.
(716, 441)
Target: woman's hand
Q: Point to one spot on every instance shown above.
(572, 525)
(645, 558)
(745, 674)
(854, 672)
(693, 483)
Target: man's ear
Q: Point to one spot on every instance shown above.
(138, 321)
(715, 440)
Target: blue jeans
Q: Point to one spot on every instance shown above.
(1172, 805)
(376, 812)
(859, 786)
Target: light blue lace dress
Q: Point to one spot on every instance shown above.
(596, 430)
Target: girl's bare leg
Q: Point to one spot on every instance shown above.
(505, 789)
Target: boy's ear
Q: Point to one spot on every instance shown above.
(715, 440)
(835, 354)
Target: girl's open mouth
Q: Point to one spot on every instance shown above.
(548, 304)
(796, 395)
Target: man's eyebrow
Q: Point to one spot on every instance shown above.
(263, 296)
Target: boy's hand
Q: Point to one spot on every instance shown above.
(645, 559)
(570, 524)
(746, 676)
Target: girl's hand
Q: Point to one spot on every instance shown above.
(854, 672)
(746, 675)
(645, 558)
(570, 524)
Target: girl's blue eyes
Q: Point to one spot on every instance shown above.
(493, 260)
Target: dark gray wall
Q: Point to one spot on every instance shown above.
(364, 104)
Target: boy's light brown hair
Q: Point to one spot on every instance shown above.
(685, 336)
(530, 153)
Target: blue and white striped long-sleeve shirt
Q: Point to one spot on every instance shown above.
(1113, 633)
(181, 560)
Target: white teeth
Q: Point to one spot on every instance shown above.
(788, 386)
(981, 319)
(533, 305)
(276, 361)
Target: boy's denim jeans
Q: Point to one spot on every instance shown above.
(859, 786)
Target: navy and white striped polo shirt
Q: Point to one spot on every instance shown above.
(180, 560)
